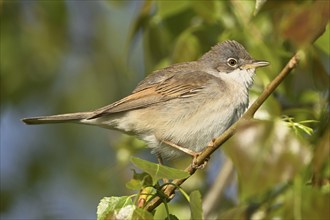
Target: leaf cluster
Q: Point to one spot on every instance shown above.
(148, 184)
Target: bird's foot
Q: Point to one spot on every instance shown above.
(200, 166)
(189, 152)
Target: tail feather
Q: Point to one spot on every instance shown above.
(70, 117)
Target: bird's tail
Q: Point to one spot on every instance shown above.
(70, 117)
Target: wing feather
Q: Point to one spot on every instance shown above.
(179, 85)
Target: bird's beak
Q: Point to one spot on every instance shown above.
(254, 64)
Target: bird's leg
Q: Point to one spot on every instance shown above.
(184, 150)
(160, 161)
(189, 152)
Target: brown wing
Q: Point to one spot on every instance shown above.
(180, 85)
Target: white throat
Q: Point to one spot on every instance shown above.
(242, 76)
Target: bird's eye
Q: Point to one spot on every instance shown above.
(232, 62)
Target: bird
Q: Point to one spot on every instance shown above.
(179, 109)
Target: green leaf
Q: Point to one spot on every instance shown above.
(208, 10)
(304, 202)
(196, 205)
(284, 153)
(295, 125)
(258, 5)
(158, 171)
(141, 214)
(186, 48)
(169, 8)
(109, 207)
(139, 181)
(171, 217)
(323, 41)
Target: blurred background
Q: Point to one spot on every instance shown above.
(69, 56)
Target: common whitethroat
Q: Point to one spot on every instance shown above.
(180, 108)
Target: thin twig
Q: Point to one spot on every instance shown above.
(248, 115)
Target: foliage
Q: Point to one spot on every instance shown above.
(123, 208)
(64, 56)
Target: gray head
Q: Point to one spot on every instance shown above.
(230, 55)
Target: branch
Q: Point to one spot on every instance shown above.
(248, 115)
